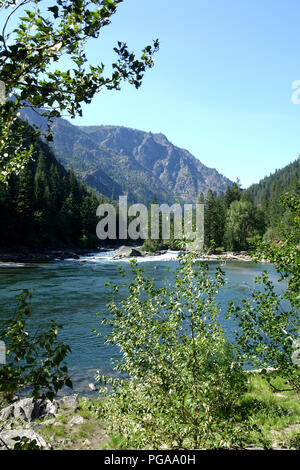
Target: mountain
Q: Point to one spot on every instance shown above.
(177, 170)
(117, 160)
(267, 195)
(271, 187)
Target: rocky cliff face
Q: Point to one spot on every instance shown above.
(177, 169)
(117, 160)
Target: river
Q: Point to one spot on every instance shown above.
(71, 292)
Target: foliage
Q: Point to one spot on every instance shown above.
(33, 72)
(286, 254)
(34, 360)
(45, 206)
(154, 245)
(269, 322)
(214, 219)
(294, 441)
(242, 223)
(183, 379)
(267, 193)
(24, 443)
(234, 218)
(231, 220)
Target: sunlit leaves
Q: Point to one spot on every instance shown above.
(183, 380)
(269, 321)
(44, 36)
(34, 360)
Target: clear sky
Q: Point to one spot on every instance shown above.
(222, 82)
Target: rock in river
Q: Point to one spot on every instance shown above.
(126, 252)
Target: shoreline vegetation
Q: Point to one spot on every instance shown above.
(76, 422)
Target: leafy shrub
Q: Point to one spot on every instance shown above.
(294, 441)
(182, 378)
(269, 321)
(24, 443)
(34, 360)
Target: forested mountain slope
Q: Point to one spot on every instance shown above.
(118, 160)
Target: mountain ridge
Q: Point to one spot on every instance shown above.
(118, 160)
(170, 171)
(276, 183)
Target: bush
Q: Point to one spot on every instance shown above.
(182, 378)
(34, 360)
(294, 441)
(269, 321)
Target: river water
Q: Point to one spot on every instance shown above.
(71, 292)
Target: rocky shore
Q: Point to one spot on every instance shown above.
(19, 419)
(63, 423)
(70, 423)
(228, 255)
(130, 252)
(40, 256)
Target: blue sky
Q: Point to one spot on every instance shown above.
(221, 85)
(222, 82)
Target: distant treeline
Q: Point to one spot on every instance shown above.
(266, 195)
(46, 206)
(234, 218)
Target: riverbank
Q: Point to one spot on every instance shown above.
(136, 252)
(30, 255)
(64, 423)
(228, 256)
(74, 423)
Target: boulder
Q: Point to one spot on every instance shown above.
(77, 420)
(126, 252)
(93, 387)
(7, 438)
(47, 409)
(6, 413)
(26, 409)
(64, 442)
(29, 409)
(69, 402)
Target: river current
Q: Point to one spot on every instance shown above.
(71, 292)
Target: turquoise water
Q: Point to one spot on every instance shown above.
(72, 292)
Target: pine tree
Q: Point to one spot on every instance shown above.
(214, 219)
